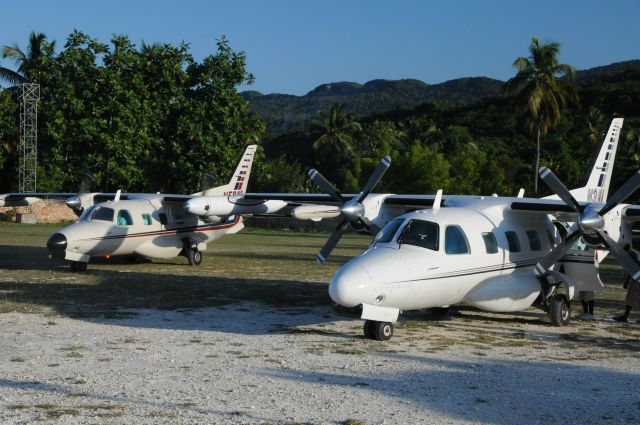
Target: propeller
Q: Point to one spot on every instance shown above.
(353, 209)
(207, 181)
(75, 202)
(590, 223)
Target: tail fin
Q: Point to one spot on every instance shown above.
(239, 179)
(596, 188)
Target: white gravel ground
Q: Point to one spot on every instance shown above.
(249, 364)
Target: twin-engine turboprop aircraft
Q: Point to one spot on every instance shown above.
(149, 225)
(500, 254)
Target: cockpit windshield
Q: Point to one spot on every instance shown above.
(389, 231)
(424, 234)
(87, 213)
(103, 214)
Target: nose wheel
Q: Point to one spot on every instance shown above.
(381, 331)
(194, 256)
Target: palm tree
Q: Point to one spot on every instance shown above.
(337, 127)
(538, 84)
(27, 63)
(633, 144)
(595, 124)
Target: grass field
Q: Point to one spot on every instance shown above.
(277, 268)
(273, 267)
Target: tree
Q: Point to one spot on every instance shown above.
(28, 62)
(595, 124)
(543, 93)
(337, 127)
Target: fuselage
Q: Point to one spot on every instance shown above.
(146, 227)
(478, 254)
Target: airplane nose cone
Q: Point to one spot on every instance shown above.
(57, 242)
(348, 285)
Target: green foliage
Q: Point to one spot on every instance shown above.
(141, 119)
(9, 137)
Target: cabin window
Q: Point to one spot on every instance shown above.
(103, 214)
(513, 241)
(87, 213)
(600, 180)
(389, 231)
(490, 243)
(420, 233)
(606, 156)
(455, 242)
(534, 240)
(562, 231)
(146, 219)
(124, 218)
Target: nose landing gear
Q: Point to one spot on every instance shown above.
(381, 331)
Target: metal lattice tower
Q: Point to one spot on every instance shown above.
(28, 164)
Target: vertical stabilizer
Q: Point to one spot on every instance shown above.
(596, 188)
(239, 179)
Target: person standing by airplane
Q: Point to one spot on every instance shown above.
(587, 298)
(632, 300)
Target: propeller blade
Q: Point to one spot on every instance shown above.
(628, 263)
(325, 185)
(558, 252)
(332, 241)
(622, 194)
(375, 177)
(207, 181)
(86, 183)
(559, 188)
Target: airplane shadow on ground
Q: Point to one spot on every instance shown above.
(270, 305)
(251, 306)
(494, 391)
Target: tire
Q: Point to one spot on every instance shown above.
(78, 266)
(368, 329)
(382, 331)
(560, 310)
(194, 256)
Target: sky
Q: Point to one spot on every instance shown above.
(294, 46)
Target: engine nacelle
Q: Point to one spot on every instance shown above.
(205, 206)
(79, 203)
(315, 212)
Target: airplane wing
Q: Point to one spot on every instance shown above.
(26, 199)
(295, 199)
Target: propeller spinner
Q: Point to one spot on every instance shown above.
(352, 210)
(590, 223)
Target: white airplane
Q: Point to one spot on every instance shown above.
(499, 254)
(149, 225)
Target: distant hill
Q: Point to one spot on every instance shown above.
(589, 75)
(283, 113)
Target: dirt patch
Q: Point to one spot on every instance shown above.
(46, 212)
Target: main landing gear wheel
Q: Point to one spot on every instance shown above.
(559, 310)
(381, 331)
(78, 266)
(194, 256)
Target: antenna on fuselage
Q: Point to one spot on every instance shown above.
(117, 197)
(437, 201)
(520, 193)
